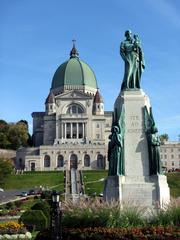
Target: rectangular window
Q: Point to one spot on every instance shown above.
(165, 163)
(161, 156)
(165, 156)
(74, 130)
(172, 156)
(172, 163)
(172, 149)
(80, 130)
(68, 130)
(164, 150)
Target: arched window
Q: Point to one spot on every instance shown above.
(60, 161)
(87, 160)
(75, 109)
(46, 161)
(73, 161)
(100, 161)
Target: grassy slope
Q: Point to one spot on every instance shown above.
(174, 183)
(55, 179)
(34, 179)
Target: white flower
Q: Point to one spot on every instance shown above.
(28, 235)
(22, 236)
(1, 236)
(14, 236)
(6, 236)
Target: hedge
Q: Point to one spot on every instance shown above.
(35, 219)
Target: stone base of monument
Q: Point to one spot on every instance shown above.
(137, 187)
(151, 192)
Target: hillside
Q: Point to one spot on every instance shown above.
(93, 180)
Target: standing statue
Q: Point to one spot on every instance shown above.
(153, 143)
(116, 146)
(132, 54)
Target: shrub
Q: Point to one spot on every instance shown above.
(35, 218)
(46, 194)
(18, 204)
(10, 205)
(44, 207)
(102, 214)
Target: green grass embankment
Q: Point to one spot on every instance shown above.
(93, 181)
(174, 183)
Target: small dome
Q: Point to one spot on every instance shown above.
(74, 72)
(50, 98)
(98, 98)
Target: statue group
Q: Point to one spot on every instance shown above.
(132, 54)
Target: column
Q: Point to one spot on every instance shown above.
(71, 129)
(77, 130)
(57, 129)
(83, 130)
(62, 130)
(65, 130)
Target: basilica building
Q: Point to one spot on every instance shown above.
(73, 130)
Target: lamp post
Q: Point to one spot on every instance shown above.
(56, 228)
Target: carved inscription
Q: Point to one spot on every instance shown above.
(135, 125)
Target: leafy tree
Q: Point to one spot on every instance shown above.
(6, 168)
(163, 138)
(14, 135)
(17, 135)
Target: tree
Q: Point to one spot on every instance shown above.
(14, 135)
(163, 138)
(18, 135)
(4, 142)
(6, 168)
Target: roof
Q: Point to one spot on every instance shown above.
(50, 98)
(74, 72)
(98, 98)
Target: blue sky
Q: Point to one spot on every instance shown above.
(36, 37)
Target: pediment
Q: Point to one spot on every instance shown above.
(73, 95)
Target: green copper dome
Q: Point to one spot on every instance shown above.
(74, 72)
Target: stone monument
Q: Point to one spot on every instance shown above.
(135, 175)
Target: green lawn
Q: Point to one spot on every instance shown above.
(34, 179)
(174, 183)
(91, 181)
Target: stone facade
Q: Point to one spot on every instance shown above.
(73, 130)
(170, 155)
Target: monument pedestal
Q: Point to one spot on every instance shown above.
(151, 193)
(136, 186)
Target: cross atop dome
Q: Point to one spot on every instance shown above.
(74, 53)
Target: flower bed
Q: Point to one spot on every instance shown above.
(122, 233)
(102, 233)
(13, 230)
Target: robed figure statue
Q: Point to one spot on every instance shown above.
(116, 145)
(153, 143)
(132, 54)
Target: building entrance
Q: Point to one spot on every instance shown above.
(73, 161)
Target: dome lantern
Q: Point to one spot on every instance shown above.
(74, 52)
(74, 74)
